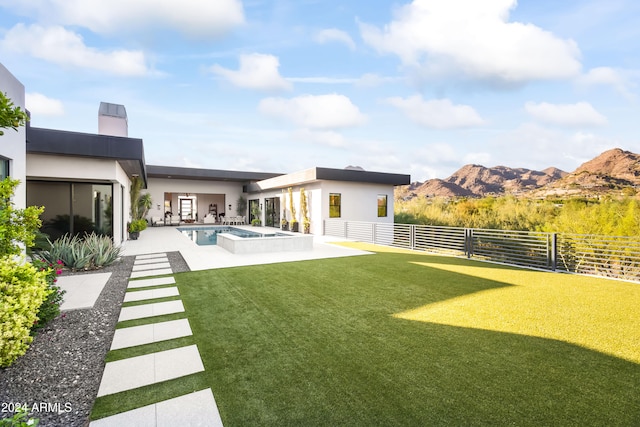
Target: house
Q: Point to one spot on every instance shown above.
(83, 181)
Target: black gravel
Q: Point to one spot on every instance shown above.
(58, 378)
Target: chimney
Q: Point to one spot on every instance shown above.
(112, 120)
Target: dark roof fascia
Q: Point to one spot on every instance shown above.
(78, 144)
(328, 174)
(362, 176)
(174, 172)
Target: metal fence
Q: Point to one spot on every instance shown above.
(609, 256)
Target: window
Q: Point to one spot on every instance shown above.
(75, 208)
(334, 205)
(4, 168)
(382, 205)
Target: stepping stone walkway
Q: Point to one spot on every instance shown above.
(194, 409)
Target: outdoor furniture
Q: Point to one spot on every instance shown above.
(156, 221)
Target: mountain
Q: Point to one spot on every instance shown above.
(479, 181)
(612, 171)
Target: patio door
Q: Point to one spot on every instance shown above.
(186, 209)
(272, 212)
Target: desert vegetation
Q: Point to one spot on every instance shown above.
(608, 216)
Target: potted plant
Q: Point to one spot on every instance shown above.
(256, 213)
(284, 225)
(135, 227)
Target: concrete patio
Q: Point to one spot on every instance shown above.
(169, 239)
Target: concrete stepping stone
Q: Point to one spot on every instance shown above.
(133, 284)
(151, 294)
(150, 261)
(150, 310)
(147, 273)
(149, 256)
(139, 371)
(146, 334)
(156, 265)
(194, 409)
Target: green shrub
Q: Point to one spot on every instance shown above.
(50, 308)
(23, 288)
(20, 418)
(137, 225)
(17, 226)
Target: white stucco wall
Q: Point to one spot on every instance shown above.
(359, 201)
(12, 143)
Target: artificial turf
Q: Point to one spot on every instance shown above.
(352, 341)
(399, 338)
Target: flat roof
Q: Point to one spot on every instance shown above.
(174, 172)
(329, 174)
(129, 152)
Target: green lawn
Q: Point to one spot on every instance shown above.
(401, 338)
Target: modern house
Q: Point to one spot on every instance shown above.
(83, 181)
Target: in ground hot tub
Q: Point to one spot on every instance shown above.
(265, 242)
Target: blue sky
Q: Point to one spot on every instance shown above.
(419, 87)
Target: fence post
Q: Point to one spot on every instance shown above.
(467, 251)
(554, 251)
(373, 232)
(412, 236)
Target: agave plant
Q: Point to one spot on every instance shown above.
(92, 251)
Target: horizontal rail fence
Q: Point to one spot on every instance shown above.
(610, 256)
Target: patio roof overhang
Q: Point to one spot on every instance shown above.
(329, 174)
(173, 172)
(128, 152)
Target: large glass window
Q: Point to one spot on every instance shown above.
(72, 208)
(4, 168)
(334, 205)
(382, 205)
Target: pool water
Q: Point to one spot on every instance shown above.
(205, 236)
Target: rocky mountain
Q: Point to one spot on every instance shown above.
(611, 171)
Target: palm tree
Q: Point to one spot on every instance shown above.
(144, 204)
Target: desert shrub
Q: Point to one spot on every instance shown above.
(50, 308)
(91, 252)
(23, 288)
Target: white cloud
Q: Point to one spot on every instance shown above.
(474, 40)
(578, 114)
(334, 35)
(328, 138)
(257, 71)
(373, 80)
(201, 18)
(607, 76)
(39, 104)
(314, 111)
(66, 48)
(437, 113)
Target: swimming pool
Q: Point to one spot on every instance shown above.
(205, 236)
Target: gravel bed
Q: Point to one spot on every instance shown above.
(60, 374)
